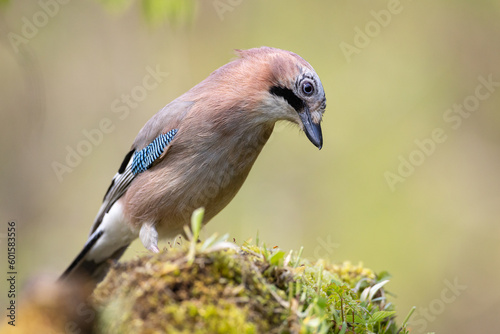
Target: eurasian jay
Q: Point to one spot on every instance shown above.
(198, 150)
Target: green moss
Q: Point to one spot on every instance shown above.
(218, 287)
(239, 290)
(215, 294)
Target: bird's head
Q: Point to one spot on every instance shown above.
(289, 89)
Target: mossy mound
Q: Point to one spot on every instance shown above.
(219, 292)
(218, 287)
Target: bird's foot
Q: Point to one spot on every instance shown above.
(149, 237)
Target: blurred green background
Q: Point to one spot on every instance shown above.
(437, 228)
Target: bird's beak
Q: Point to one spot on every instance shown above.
(312, 130)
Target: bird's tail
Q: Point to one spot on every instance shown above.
(84, 268)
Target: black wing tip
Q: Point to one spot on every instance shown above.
(125, 162)
(79, 260)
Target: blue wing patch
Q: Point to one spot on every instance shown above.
(144, 158)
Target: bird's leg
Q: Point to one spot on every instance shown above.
(149, 237)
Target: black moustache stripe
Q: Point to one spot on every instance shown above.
(289, 97)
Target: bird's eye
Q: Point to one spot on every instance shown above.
(307, 88)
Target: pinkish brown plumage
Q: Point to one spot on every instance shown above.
(222, 124)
